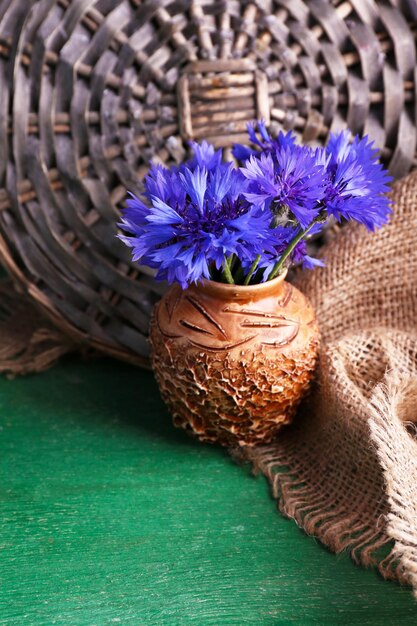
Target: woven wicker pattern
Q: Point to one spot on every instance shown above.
(90, 91)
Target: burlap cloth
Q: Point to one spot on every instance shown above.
(346, 471)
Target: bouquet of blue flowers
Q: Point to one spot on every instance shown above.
(207, 219)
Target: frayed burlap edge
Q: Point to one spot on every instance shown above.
(392, 426)
(384, 537)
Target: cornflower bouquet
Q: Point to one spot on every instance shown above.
(206, 219)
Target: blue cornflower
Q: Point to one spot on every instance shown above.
(204, 217)
(205, 156)
(356, 181)
(264, 143)
(344, 180)
(287, 177)
(193, 219)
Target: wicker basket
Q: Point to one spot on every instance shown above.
(91, 90)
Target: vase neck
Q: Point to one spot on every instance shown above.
(224, 291)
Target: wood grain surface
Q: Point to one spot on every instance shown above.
(110, 516)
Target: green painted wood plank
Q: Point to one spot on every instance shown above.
(111, 516)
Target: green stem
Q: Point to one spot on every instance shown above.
(252, 269)
(227, 274)
(280, 264)
(232, 262)
(239, 275)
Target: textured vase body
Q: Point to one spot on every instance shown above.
(233, 362)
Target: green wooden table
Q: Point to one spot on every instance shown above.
(110, 516)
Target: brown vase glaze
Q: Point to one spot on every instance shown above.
(233, 362)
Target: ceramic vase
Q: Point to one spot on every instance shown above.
(233, 362)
